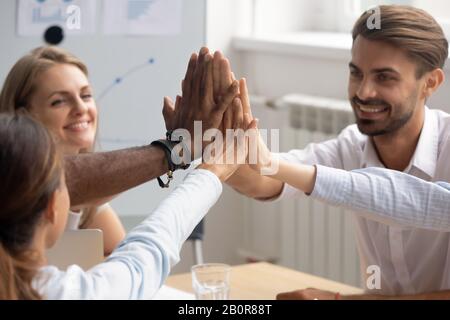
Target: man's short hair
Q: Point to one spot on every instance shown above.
(410, 29)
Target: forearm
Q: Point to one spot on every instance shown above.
(141, 263)
(299, 176)
(100, 175)
(248, 182)
(108, 221)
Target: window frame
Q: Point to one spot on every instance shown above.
(327, 16)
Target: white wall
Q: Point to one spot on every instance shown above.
(276, 74)
(133, 110)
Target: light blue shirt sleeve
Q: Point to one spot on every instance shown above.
(142, 262)
(387, 196)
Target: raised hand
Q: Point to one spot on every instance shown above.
(226, 153)
(223, 77)
(260, 159)
(198, 102)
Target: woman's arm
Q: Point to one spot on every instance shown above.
(253, 185)
(106, 219)
(141, 263)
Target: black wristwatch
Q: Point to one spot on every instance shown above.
(167, 145)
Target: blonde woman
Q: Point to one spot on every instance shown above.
(53, 86)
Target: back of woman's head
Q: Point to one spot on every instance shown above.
(30, 172)
(21, 80)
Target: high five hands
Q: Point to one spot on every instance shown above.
(213, 97)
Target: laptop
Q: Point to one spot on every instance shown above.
(81, 247)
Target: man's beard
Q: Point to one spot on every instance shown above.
(392, 124)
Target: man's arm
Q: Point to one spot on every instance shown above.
(93, 176)
(100, 175)
(387, 196)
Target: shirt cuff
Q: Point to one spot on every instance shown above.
(208, 177)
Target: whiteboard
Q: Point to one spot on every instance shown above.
(130, 114)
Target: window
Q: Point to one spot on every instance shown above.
(439, 9)
(283, 16)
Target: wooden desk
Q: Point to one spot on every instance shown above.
(263, 281)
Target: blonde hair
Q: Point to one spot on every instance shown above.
(21, 83)
(21, 80)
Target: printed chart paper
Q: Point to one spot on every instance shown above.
(76, 17)
(142, 17)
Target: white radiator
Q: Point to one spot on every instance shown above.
(303, 234)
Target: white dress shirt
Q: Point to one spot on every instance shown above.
(142, 262)
(411, 260)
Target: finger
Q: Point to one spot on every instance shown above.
(254, 124)
(225, 76)
(238, 114)
(208, 94)
(251, 133)
(168, 112)
(238, 121)
(226, 100)
(168, 108)
(198, 74)
(187, 82)
(233, 77)
(187, 85)
(228, 119)
(203, 51)
(195, 94)
(204, 80)
(218, 56)
(178, 116)
(243, 91)
(177, 104)
(249, 123)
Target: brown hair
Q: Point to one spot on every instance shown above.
(410, 29)
(30, 172)
(20, 82)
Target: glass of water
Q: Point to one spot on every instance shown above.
(211, 281)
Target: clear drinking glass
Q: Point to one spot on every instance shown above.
(211, 281)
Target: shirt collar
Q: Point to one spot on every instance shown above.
(370, 156)
(425, 156)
